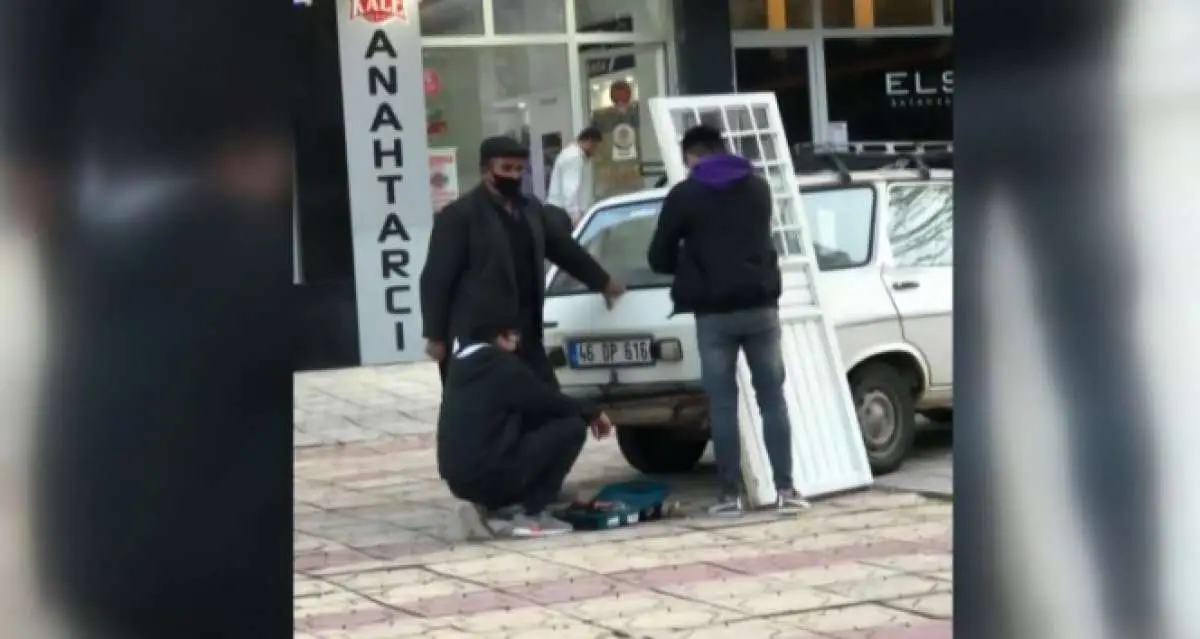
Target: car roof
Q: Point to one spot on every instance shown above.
(805, 180)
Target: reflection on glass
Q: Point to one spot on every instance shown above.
(763, 14)
(877, 13)
(529, 16)
(783, 72)
(451, 17)
(620, 77)
(620, 16)
(922, 225)
(483, 91)
(840, 221)
(618, 237)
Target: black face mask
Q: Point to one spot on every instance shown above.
(509, 187)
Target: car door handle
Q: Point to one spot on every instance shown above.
(549, 324)
(905, 285)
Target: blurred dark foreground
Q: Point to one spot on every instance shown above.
(147, 146)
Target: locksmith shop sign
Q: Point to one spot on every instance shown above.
(388, 168)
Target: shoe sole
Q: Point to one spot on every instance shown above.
(527, 533)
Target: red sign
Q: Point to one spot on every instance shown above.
(378, 11)
(433, 82)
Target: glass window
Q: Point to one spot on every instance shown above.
(450, 17)
(865, 14)
(619, 80)
(529, 16)
(841, 222)
(618, 237)
(921, 230)
(784, 72)
(948, 11)
(622, 16)
(520, 91)
(768, 14)
(891, 88)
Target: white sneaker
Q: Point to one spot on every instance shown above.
(727, 506)
(541, 525)
(788, 501)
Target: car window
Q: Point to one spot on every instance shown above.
(841, 221)
(618, 236)
(921, 229)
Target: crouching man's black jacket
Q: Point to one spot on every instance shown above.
(491, 398)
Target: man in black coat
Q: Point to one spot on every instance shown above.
(487, 257)
(506, 437)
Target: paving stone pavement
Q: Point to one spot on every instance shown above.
(378, 555)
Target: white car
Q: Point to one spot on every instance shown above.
(884, 249)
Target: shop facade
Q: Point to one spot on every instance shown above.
(541, 70)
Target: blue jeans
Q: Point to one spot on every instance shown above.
(757, 334)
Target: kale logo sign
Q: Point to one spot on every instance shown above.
(378, 11)
(391, 214)
(917, 89)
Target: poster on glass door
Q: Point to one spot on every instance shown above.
(443, 176)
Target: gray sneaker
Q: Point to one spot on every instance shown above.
(727, 506)
(788, 501)
(474, 522)
(541, 525)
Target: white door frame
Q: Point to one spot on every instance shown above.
(810, 42)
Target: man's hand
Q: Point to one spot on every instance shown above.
(612, 292)
(435, 349)
(602, 426)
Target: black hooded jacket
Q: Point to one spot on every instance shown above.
(491, 397)
(714, 236)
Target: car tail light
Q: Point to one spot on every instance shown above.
(668, 350)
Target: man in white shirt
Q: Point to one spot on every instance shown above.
(571, 186)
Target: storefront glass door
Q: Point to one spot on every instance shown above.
(787, 70)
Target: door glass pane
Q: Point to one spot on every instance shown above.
(891, 88)
(758, 14)
(621, 16)
(619, 238)
(529, 16)
(619, 80)
(451, 17)
(783, 71)
(841, 222)
(864, 14)
(481, 91)
(921, 230)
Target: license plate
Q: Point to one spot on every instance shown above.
(601, 353)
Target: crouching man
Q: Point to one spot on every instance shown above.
(507, 439)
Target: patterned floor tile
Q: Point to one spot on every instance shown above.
(748, 629)
(397, 587)
(916, 563)
(643, 613)
(893, 587)
(756, 596)
(862, 617)
(940, 605)
(506, 570)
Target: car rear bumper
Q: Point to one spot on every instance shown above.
(667, 404)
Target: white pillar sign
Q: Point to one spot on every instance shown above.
(391, 213)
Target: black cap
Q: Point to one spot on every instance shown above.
(501, 146)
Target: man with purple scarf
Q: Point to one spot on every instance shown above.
(714, 236)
